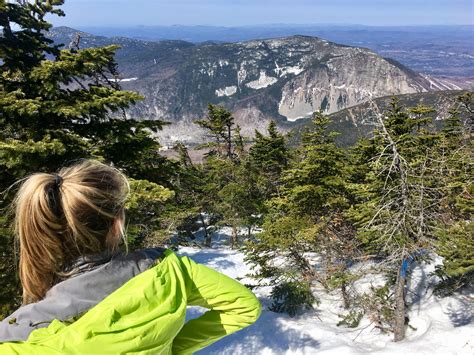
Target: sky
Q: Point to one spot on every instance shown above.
(121, 13)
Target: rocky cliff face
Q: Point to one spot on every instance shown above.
(281, 79)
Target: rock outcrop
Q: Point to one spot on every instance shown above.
(281, 79)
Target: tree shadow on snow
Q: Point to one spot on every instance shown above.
(461, 313)
(417, 285)
(268, 333)
(212, 259)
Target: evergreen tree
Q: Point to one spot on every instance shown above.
(228, 190)
(60, 105)
(219, 123)
(397, 210)
(192, 199)
(455, 242)
(306, 216)
(269, 156)
(238, 200)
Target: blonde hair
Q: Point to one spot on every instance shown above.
(61, 217)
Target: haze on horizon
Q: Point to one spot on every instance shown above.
(123, 13)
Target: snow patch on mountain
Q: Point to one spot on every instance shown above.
(223, 62)
(227, 91)
(442, 83)
(282, 71)
(262, 82)
(126, 80)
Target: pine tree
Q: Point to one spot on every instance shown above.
(454, 237)
(269, 156)
(306, 216)
(60, 105)
(219, 123)
(397, 210)
(229, 185)
(192, 200)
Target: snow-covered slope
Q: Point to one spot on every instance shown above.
(441, 325)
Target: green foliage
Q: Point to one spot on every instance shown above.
(227, 189)
(380, 306)
(449, 285)
(292, 297)
(10, 296)
(269, 156)
(394, 207)
(456, 245)
(219, 123)
(60, 105)
(144, 190)
(66, 106)
(145, 207)
(339, 278)
(315, 184)
(351, 319)
(455, 242)
(306, 215)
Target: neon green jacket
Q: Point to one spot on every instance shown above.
(147, 315)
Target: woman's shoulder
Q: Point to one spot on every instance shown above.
(144, 258)
(79, 293)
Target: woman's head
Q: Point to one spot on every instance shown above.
(59, 217)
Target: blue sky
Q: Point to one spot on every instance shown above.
(251, 12)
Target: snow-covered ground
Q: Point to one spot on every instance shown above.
(440, 325)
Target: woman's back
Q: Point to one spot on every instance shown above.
(147, 314)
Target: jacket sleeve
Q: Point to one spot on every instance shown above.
(231, 307)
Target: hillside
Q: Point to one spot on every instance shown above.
(358, 120)
(282, 79)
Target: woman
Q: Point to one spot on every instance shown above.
(81, 295)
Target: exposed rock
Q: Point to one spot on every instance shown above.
(283, 79)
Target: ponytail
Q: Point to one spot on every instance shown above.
(61, 217)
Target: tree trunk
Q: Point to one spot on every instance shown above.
(249, 231)
(345, 295)
(229, 141)
(233, 239)
(399, 322)
(208, 236)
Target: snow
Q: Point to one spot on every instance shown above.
(241, 75)
(227, 91)
(441, 84)
(262, 82)
(223, 62)
(442, 325)
(126, 79)
(282, 71)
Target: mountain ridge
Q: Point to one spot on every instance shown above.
(282, 79)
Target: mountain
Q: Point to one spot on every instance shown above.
(433, 50)
(284, 79)
(359, 120)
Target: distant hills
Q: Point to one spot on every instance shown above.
(432, 50)
(283, 79)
